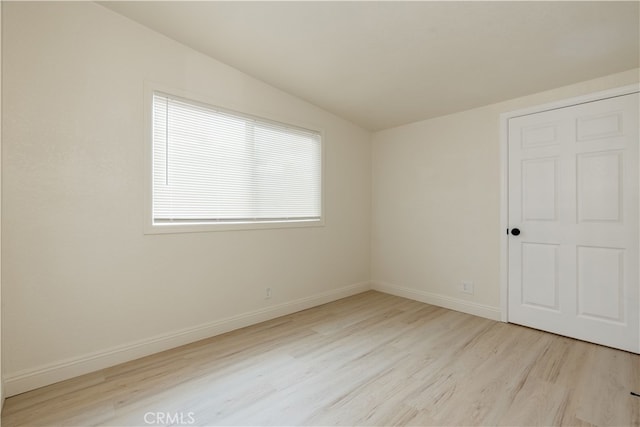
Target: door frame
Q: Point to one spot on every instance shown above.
(504, 173)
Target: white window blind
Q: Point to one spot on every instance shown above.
(212, 165)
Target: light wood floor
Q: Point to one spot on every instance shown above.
(371, 359)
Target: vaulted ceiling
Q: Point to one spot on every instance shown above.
(384, 64)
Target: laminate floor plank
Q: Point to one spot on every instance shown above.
(371, 360)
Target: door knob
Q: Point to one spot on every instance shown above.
(515, 231)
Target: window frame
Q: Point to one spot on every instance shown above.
(150, 227)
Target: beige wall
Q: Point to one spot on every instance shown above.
(83, 286)
(436, 202)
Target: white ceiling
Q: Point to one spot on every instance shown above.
(383, 64)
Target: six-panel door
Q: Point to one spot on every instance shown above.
(573, 193)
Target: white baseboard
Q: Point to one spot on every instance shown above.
(468, 307)
(30, 379)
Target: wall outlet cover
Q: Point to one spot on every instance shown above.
(467, 287)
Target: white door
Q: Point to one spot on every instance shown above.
(573, 195)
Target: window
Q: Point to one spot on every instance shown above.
(214, 166)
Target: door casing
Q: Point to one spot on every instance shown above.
(504, 175)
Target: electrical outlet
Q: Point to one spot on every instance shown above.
(267, 293)
(467, 287)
